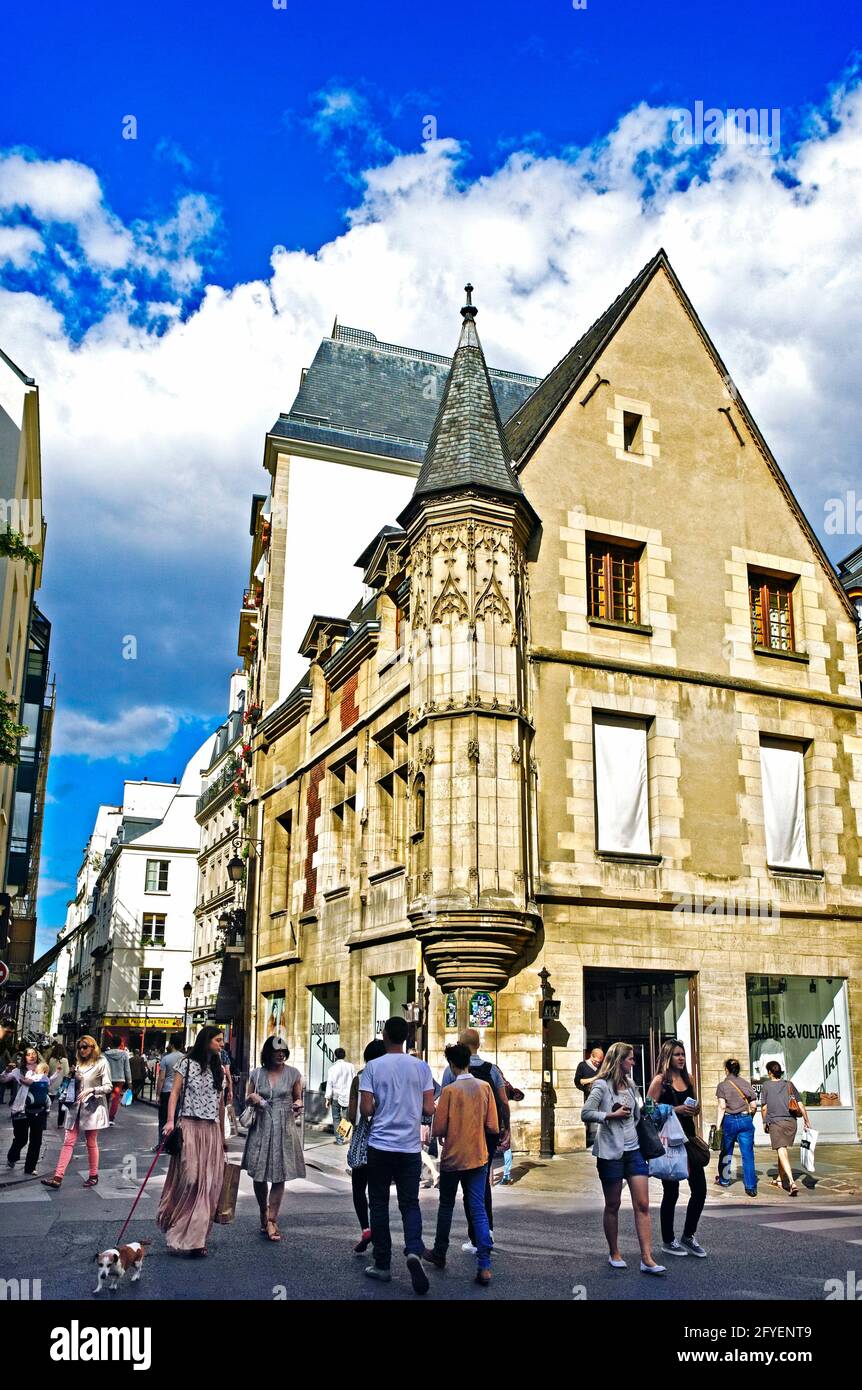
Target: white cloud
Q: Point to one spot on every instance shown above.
(18, 245)
(152, 424)
(132, 733)
(47, 886)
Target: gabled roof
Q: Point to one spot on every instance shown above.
(528, 426)
(467, 448)
(379, 398)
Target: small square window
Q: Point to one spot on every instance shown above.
(632, 432)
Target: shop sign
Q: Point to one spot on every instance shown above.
(151, 1021)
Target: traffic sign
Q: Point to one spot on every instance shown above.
(4, 972)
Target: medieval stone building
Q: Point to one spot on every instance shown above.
(597, 714)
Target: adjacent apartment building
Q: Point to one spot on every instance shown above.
(134, 953)
(217, 993)
(596, 713)
(26, 698)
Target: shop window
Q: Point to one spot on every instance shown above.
(783, 772)
(800, 1022)
(324, 1034)
(771, 601)
(622, 799)
(613, 582)
(393, 994)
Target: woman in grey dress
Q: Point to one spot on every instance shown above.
(273, 1148)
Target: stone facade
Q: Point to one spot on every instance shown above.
(425, 797)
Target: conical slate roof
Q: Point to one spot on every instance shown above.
(467, 447)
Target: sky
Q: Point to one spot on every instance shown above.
(190, 194)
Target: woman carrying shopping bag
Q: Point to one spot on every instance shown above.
(782, 1107)
(673, 1086)
(737, 1104)
(86, 1101)
(614, 1107)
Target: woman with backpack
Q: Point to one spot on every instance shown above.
(736, 1105)
(672, 1085)
(29, 1109)
(613, 1106)
(86, 1102)
(196, 1108)
(782, 1107)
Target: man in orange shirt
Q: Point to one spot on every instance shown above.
(466, 1121)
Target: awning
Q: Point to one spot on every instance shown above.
(44, 963)
(229, 998)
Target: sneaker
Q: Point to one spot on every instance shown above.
(751, 1192)
(483, 1278)
(383, 1276)
(468, 1247)
(506, 1180)
(653, 1269)
(418, 1277)
(673, 1247)
(693, 1248)
(431, 1257)
(363, 1244)
(617, 1264)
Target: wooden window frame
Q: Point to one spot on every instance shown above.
(760, 586)
(607, 551)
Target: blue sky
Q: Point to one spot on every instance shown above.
(140, 284)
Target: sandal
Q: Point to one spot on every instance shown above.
(52, 1182)
(272, 1231)
(92, 1180)
(794, 1190)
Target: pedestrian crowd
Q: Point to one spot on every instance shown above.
(395, 1120)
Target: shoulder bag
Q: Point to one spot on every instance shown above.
(249, 1115)
(792, 1104)
(649, 1141)
(174, 1141)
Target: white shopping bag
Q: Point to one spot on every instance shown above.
(673, 1165)
(807, 1145)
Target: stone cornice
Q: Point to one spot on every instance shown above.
(686, 677)
(359, 647)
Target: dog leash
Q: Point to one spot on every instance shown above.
(140, 1192)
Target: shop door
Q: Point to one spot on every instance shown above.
(643, 1008)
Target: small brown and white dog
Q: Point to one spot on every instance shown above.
(113, 1265)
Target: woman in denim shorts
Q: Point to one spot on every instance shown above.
(614, 1107)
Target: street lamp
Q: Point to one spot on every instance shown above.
(187, 994)
(550, 1012)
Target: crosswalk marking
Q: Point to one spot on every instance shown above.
(821, 1223)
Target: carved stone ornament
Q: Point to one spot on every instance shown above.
(516, 755)
(427, 754)
(473, 750)
(450, 602)
(363, 815)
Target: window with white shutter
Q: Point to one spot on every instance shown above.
(622, 801)
(783, 771)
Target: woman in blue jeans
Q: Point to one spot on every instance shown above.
(736, 1106)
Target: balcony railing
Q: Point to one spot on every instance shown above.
(224, 780)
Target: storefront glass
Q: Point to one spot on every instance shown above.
(324, 1034)
(801, 1023)
(391, 994)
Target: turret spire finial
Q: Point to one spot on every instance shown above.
(469, 311)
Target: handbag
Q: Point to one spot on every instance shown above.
(174, 1143)
(649, 1141)
(345, 1129)
(226, 1210)
(716, 1134)
(248, 1117)
(698, 1152)
(793, 1104)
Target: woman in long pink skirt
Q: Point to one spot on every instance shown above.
(194, 1182)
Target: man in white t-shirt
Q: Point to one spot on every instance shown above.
(396, 1090)
(338, 1084)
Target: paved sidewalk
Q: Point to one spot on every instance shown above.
(839, 1173)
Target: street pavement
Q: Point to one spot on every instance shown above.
(548, 1240)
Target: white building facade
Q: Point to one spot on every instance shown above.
(134, 957)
